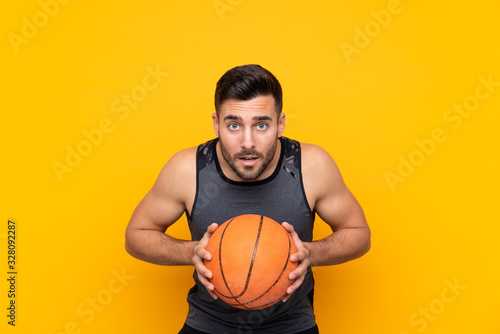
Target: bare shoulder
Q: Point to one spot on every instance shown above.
(178, 176)
(313, 151)
(326, 191)
(182, 161)
(170, 196)
(316, 159)
(319, 172)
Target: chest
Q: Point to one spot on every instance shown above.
(282, 199)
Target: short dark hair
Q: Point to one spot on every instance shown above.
(246, 82)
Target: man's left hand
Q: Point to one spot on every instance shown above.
(302, 257)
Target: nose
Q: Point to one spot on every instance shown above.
(247, 140)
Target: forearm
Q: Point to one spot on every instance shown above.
(158, 248)
(344, 245)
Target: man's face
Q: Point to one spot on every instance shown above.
(248, 134)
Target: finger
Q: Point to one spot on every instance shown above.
(295, 285)
(208, 285)
(200, 253)
(211, 229)
(200, 268)
(299, 256)
(203, 254)
(301, 270)
(291, 289)
(288, 227)
(214, 296)
(293, 234)
(200, 247)
(199, 258)
(204, 275)
(286, 298)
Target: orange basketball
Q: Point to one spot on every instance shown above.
(251, 261)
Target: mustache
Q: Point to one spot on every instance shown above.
(248, 152)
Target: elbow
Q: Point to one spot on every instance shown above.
(129, 248)
(132, 251)
(367, 244)
(363, 244)
(367, 247)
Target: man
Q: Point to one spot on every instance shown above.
(249, 168)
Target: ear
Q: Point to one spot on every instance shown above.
(281, 124)
(215, 121)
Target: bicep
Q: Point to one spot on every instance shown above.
(156, 212)
(334, 202)
(165, 203)
(340, 209)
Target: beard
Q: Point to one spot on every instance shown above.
(249, 173)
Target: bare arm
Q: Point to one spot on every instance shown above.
(335, 204)
(162, 206)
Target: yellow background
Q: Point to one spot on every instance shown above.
(437, 228)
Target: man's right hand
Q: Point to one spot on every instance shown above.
(199, 254)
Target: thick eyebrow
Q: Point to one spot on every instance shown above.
(233, 118)
(262, 118)
(256, 118)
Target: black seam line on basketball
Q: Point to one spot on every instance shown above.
(281, 274)
(222, 270)
(220, 262)
(249, 270)
(259, 306)
(267, 304)
(254, 253)
(253, 260)
(220, 265)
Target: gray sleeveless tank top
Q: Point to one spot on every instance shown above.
(281, 197)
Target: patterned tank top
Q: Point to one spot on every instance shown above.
(280, 196)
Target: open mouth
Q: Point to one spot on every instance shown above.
(248, 160)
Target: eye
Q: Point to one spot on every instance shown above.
(262, 126)
(233, 126)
